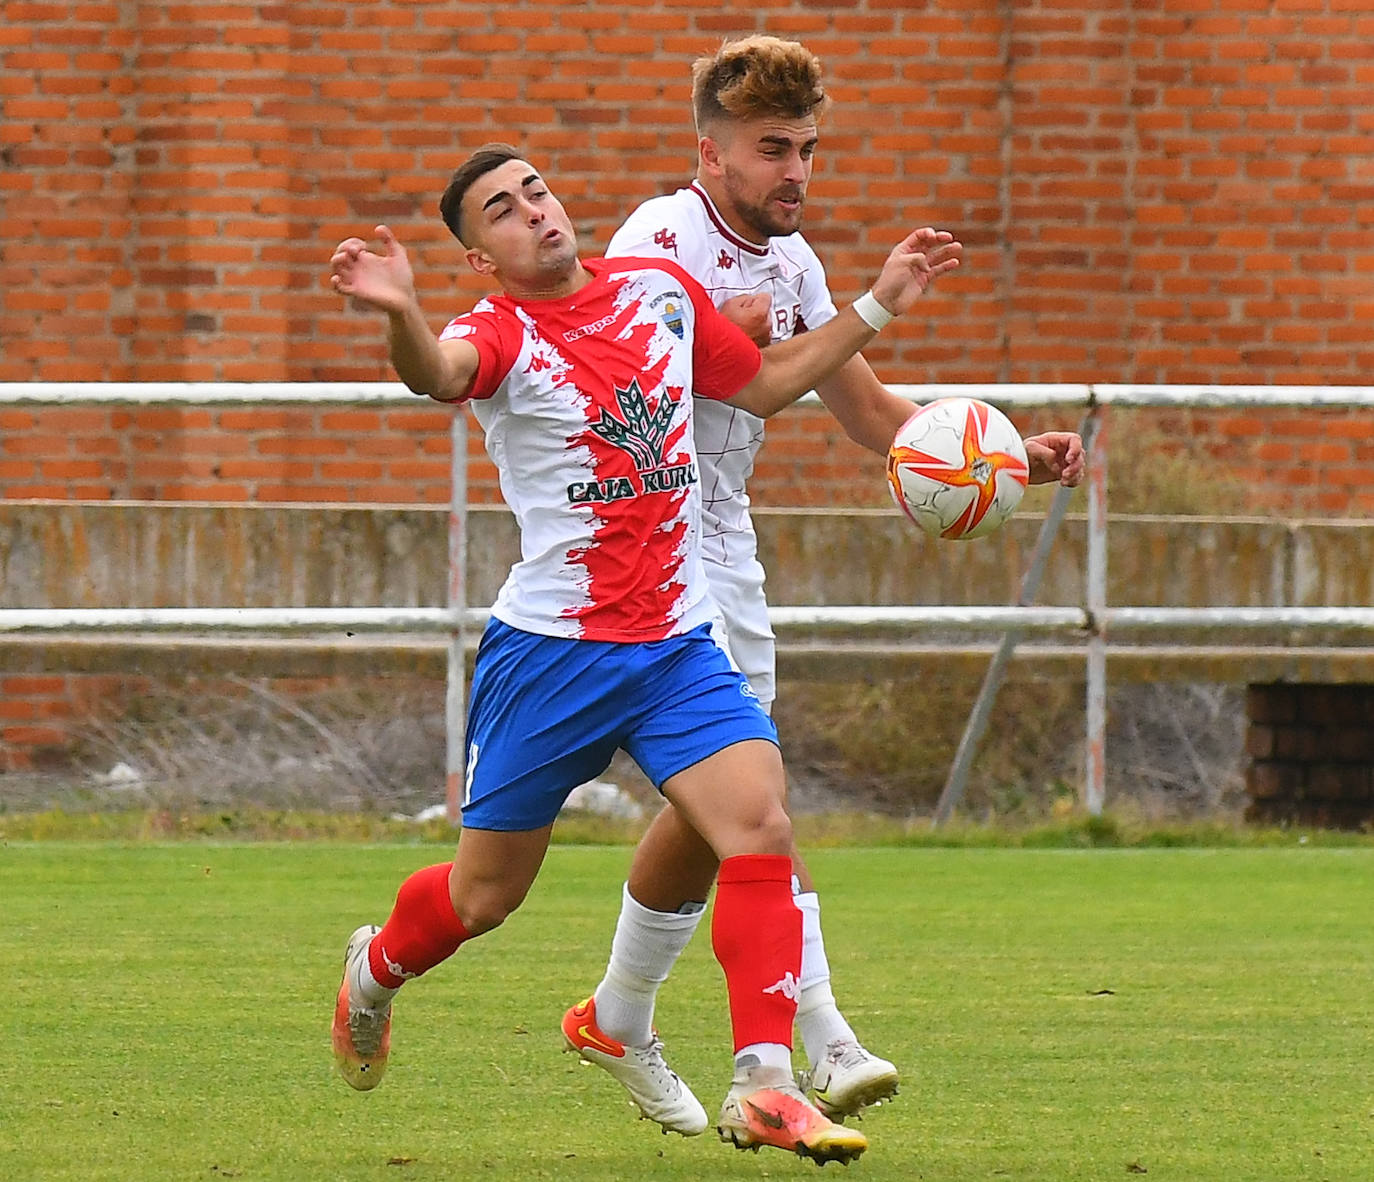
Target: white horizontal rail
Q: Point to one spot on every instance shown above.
(991, 618)
(1348, 618)
(1108, 394)
(285, 620)
(1003, 395)
(203, 393)
(1023, 395)
(297, 620)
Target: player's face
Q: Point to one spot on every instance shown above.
(520, 232)
(761, 168)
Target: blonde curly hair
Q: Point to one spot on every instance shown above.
(756, 77)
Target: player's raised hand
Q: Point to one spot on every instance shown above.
(914, 264)
(378, 280)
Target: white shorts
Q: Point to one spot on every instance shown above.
(748, 637)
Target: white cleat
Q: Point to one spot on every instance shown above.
(849, 1078)
(641, 1071)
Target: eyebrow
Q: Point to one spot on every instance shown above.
(786, 141)
(503, 195)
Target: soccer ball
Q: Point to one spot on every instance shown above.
(957, 468)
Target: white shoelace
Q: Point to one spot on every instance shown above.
(844, 1053)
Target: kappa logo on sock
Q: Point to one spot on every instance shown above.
(395, 969)
(789, 987)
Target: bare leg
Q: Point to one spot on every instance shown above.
(674, 865)
(492, 874)
(734, 800)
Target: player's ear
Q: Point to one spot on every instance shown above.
(481, 262)
(709, 152)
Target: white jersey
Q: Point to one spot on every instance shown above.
(585, 403)
(686, 227)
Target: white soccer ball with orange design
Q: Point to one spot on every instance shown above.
(957, 468)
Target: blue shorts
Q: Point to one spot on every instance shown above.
(548, 713)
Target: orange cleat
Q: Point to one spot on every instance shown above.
(361, 1034)
(765, 1107)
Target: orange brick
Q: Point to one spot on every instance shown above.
(249, 132)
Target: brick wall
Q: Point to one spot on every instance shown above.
(1312, 754)
(173, 177)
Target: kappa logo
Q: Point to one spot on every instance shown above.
(395, 969)
(587, 330)
(725, 262)
(789, 987)
(665, 239)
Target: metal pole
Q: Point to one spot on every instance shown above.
(1095, 768)
(957, 780)
(455, 687)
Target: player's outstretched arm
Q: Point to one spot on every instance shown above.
(384, 281)
(871, 414)
(790, 368)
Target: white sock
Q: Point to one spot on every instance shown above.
(644, 949)
(363, 986)
(818, 1017)
(764, 1054)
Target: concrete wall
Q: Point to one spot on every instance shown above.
(67, 554)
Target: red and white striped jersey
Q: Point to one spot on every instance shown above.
(585, 402)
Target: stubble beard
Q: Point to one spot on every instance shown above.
(761, 218)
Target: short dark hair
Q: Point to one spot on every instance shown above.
(481, 162)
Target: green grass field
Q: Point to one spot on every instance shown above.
(1187, 1014)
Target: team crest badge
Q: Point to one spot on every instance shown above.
(672, 317)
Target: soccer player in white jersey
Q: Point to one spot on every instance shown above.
(582, 374)
(736, 230)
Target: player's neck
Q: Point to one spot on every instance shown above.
(726, 212)
(548, 286)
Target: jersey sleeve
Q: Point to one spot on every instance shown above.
(497, 339)
(724, 360)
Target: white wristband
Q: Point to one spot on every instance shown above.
(871, 312)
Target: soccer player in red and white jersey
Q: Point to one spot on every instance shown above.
(736, 230)
(582, 375)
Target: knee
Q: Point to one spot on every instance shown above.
(769, 832)
(484, 907)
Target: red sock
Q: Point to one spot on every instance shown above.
(756, 931)
(422, 931)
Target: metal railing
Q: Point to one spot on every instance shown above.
(1093, 620)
